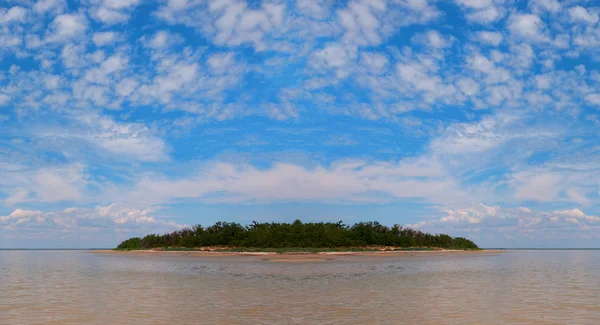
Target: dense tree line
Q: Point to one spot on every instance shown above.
(297, 234)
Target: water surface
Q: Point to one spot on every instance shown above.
(521, 287)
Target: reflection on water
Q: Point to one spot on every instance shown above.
(525, 287)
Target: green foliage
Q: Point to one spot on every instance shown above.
(277, 236)
(131, 243)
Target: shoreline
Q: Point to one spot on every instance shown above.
(296, 256)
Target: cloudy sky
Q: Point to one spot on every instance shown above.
(476, 118)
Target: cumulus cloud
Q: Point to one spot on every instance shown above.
(491, 38)
(546, 5)
(433, 39)
(4, 99)
(91, 223)
(113, 11)
(48, 184)
(528, 26)
(105, 38)
(15, 14)
(360, 22)
(162, 39)
(315, 9)
(374, 62)
(230, 23)
(593, 99)
(67, 26)
(536, 187)
(512, 223)
(281, 112)
(581, 14)
(219, 63)
(45, 6)
(481, 11)
(122, 139)
(343, 181)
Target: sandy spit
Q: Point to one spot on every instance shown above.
(296, 257)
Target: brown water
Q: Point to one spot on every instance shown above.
(524, 287)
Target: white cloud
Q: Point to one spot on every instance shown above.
(421, 78)
(494, 74)
(520, 222)
(4, 99)
(593, 99)
(433, 39)
(576, 195)
(124, 215)
(528, 26)
(107, 67)
(129, 140)
(487, 15)
(219, 63)
(376, 63)
(490, 38)
(481, 11)
(174, 79)
(461, 139)
(105, 38)
(543, 81)
(159, 40)
(343, 181)
(68, 26)
(418, 12)
(361, 23)
(333, 57)
(52, 81)
(120, 4)
(19, 195)
(19, 215)
(93, 135)
(14, 14)
(163, 39)
(54, 185)
(581, 14)
(113, 11)
(546, 5)
(126, 87)
(93, 223)
(49, 184)
(108, 16)
(476, 4)
(236, 24)
(316, 9)
(536, 187)
(10, 41)
(282, 112)
(44, 6)
(468, 86)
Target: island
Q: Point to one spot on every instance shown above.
(297, 238)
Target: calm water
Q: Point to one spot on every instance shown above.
(524, 287)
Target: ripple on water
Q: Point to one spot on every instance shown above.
(511, 288)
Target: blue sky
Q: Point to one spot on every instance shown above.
(475, 118)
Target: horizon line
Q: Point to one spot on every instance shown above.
(483, 248)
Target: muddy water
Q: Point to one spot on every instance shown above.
(522, 287)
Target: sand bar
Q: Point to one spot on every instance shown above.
(298, 256)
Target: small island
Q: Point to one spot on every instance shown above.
(298, 238)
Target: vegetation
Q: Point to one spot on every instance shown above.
(297, 236)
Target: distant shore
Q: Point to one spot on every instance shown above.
(297, 256)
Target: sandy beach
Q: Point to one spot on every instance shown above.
(297, 256)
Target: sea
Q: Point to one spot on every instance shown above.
(507, 287)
